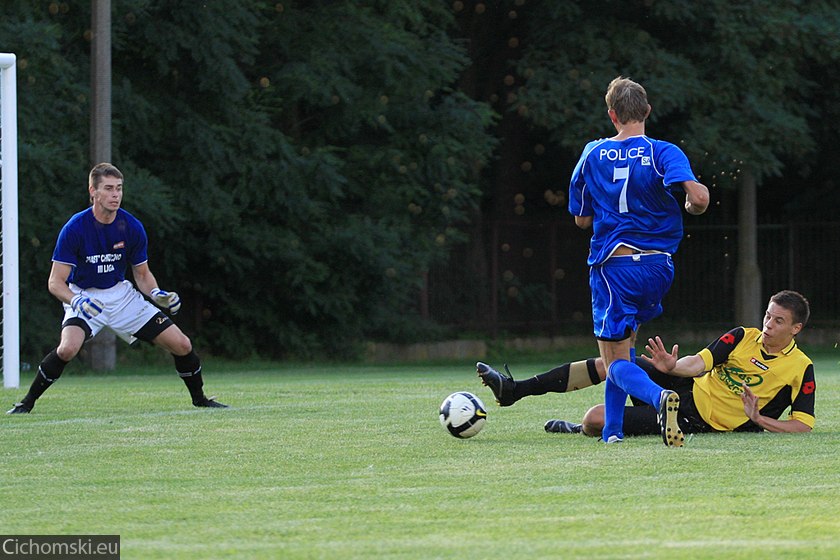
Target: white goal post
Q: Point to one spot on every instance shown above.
(9, 209)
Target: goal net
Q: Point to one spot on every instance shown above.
(10, 343)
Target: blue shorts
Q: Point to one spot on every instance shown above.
(627, 291)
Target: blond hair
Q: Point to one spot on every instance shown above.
(628, 99)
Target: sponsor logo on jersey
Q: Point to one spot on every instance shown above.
(104, 258)
(120, 245)
(728, 338)
(759, 365)
(646, 160)
(620, 154)
(104, 262)
(734, 378)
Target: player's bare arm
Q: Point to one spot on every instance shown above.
(696, 197)
(753, 412)
(147, 284)
(670, 362)
(583, 222)
(143, 277)
(57, 283)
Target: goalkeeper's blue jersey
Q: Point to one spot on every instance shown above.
(100, 253)
(626, 186)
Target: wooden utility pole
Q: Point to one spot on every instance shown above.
(748, 296)
(102, 350)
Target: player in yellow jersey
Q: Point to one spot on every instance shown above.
(743, 381)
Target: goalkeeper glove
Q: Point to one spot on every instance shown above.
(86, 306)
(166, 300)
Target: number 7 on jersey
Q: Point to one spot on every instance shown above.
(622, 173)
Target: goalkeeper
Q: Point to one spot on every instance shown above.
(743, 381)
(93, 251)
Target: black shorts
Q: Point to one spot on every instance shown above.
(640, 420)
(154, 327)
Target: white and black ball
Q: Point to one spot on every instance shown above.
(463, 414)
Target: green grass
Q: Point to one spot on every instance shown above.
(351, 462)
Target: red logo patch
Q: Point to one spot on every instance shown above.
(728, 339)
(809, 387)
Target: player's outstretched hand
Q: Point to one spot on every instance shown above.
(750, 401)
(88, 307)
(166, 300)
(662, 360)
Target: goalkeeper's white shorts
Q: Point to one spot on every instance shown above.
(124, 310)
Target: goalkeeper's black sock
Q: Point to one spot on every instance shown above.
(195, 386)
(562, 379)
(49, 370)
(189, 368)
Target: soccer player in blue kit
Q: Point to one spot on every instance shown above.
(624, 189)
(93, 251)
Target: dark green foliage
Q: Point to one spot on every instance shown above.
(301, 165)
(297, 167)
(52, 92)
(733, 83)
(574, 53)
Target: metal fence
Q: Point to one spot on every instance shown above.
(532, 277)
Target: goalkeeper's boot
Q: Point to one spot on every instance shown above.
(563, 427)
(669, 407)
(209, 402)
(19, 408)
(501, 385)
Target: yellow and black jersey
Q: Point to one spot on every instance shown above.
(780, 381)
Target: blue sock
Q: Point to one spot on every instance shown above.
(614, 400)
(633, 380)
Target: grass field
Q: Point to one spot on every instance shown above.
(351, 462)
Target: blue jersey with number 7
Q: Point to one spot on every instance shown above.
(626, 186)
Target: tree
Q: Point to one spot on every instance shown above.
(300, 166)
(297, 168)
(755, 60)
(52, 142)
(329, 153)
(731, 83)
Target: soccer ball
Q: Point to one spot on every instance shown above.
(463, 414)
